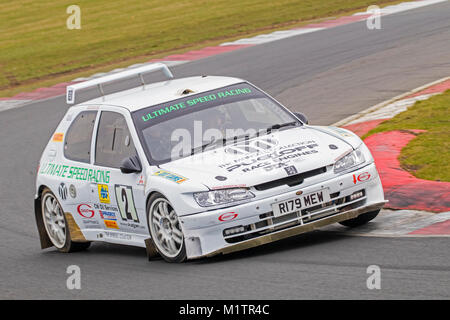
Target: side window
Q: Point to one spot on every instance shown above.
(114, 141)
(77, 145)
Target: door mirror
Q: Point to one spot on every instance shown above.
(131, 165)
(302, 117)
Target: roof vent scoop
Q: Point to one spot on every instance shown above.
(187, 91)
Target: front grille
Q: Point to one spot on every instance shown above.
(291, 180)
(268, 223)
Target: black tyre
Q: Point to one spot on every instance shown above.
(360, 220)
(56, 224)
(165, 229)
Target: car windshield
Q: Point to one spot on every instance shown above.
(200, 122)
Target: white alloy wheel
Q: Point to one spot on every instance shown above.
(165, 228)
(54, 221)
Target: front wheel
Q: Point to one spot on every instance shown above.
(360, 220)
(165, 229)
(56, 224)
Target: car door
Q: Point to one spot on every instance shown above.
(74, 189)
(118, 197)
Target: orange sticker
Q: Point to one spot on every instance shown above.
(58, 137)
(111, 224)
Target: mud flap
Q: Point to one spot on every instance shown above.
(152, 253)
(74, 230)
(43, 237)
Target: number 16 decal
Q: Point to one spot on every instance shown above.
(125, 202)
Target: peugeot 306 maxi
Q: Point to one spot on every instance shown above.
(195, 167)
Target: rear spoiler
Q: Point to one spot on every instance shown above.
(72, 89)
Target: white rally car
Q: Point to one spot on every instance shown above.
(195, 167)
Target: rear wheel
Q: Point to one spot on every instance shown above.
(165, 229)
(360, 220)
(56, 224)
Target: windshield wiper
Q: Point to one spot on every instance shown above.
(246, 136)
(203, 147)
(222, 140)
(278, 126)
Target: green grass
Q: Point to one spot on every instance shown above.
(36, 46)
(428, 155)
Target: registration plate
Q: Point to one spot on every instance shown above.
(302, 202)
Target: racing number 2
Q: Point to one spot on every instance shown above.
(125, 202)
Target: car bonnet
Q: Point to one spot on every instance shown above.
(261, 159)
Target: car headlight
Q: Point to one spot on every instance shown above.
(350, 160)
(223, 196)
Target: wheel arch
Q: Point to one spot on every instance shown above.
(43, 237)
(147, 198)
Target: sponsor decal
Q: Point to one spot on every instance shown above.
(85, 211)
(130, 225)
(91, 224)
(228, 216)
(361, 177)
(58, 137)
(75, 173)
(125, 202)
(341, 132)
(117, 235)
(105, 207)
(194, 102)
(103, 193)
(62, 190)
(112, 224)
(252, 146)
(163, 110)
(229, 186)
(291, 170)
(270, 160)
(141, 181)
(107, 215)
(170, 176)
(72, 191)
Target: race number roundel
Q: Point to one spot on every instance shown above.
(125, 202)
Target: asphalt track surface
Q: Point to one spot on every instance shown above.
(328, 75)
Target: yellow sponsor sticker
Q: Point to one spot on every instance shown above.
(58, 137)
(103, 193)
(111, 224)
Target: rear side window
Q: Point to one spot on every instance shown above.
(77, 146)
(114, 142)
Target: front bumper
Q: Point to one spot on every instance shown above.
(293, 231)
(204, 232)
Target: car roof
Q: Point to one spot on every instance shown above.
(161, 92)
